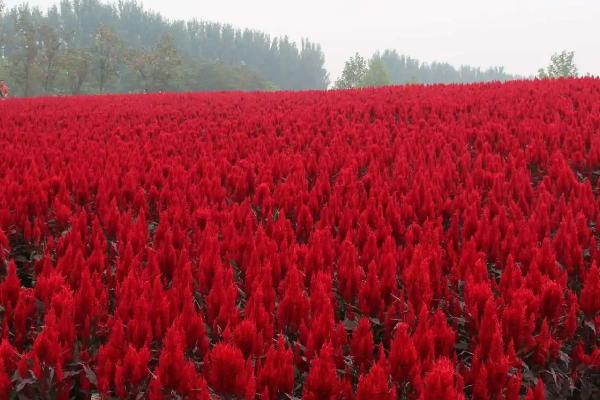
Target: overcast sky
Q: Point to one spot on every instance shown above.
(518, 34)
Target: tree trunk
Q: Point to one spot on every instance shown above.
(102, 76)
(26, 83)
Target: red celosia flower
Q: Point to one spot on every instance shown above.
(10, 286)
(5, 385)
(537, 393)
(404, 362)
(369, 296)
(322, 381)
(546, 346)
(4, 246)
(221, 300)
(227, 373)
(277, 373)
(192, 324)
(440, 382)
(246, 338)
(375, 385)
(590, 293)
(362, 345)
(174, 371)
(134, 366)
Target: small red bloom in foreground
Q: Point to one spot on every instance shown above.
(227, 372)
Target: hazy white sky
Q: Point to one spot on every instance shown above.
(519, 34)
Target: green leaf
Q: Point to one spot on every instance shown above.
(350, 325)
(90, 375)
(591, 325)
(23, 382)
(564, 357)
(462, 346)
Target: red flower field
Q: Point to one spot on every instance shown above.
(413, 242)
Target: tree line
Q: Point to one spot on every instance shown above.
(391, 68)
(87, 46)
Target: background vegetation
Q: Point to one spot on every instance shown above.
(85, 46)
(390, 67)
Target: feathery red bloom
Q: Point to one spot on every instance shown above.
(227, 373)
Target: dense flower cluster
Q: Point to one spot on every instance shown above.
(414, 242)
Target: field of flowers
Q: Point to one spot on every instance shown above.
(414, 242)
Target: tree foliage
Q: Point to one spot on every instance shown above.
(404, 69)
(77, 66)
(376, 74)
(87, 46)
(562, 65)
(107, 50)
(390, 67)
(23, 64)
(50, 43)
(354, 71)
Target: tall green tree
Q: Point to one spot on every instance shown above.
(376, 74)
(25, 46)
(77, 65)
(166, 68)
(3, 30)
(354, 71)
(107, 51)
(312, 73)
(50, 43)
(562, 65)
(140, 63)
